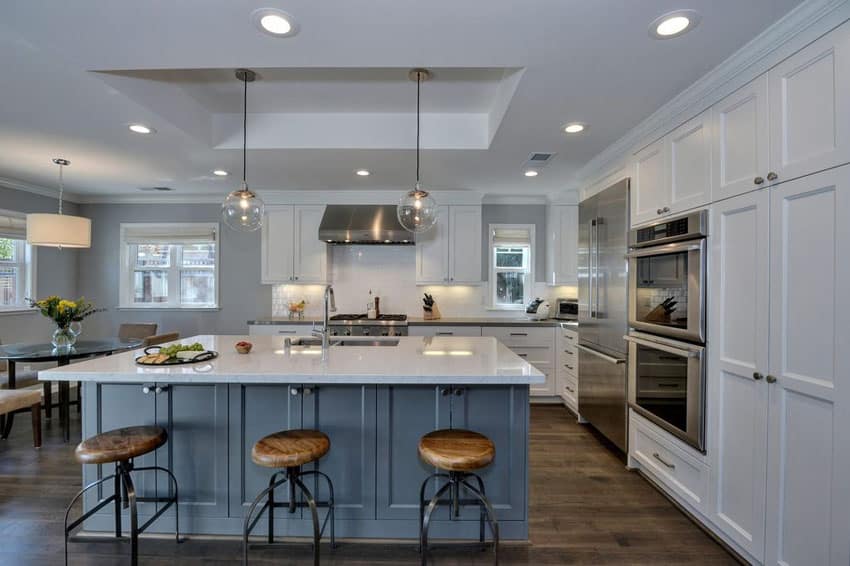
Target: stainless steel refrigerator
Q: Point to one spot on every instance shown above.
(602, 292)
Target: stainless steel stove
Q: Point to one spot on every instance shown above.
(360, 325)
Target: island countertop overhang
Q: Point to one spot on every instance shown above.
(413, 361)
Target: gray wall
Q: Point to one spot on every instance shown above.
(241, 297)
(56, 270)
(515, 214)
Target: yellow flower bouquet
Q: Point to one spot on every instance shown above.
(63, 311)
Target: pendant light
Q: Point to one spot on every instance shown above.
(59, 230)
(242, 210)
(417, 210)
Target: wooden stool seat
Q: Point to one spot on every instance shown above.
(290, 448)
(456, 450)
(120, 445)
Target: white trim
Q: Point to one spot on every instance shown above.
(491, 274)
(6, 311)
(799, 27)
(125, 269)
(17, 185)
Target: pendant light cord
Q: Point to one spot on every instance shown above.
(418, 83)
(244, 130)
(61, 187)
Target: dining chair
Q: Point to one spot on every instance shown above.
(139, 330)
(161, 338)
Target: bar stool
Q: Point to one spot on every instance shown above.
(458, 452)
(121, 446)
(291, 449)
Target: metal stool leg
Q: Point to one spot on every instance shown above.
(483, 509)
(85, 515)
(423, 501)
(331, 505)
(491, 517)
(423, 534)
(248, 527)
(134, 517)
(118, 491)
(312, 503)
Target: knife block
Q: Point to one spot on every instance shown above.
(433, 314)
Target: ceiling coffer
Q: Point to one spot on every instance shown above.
(363, 224)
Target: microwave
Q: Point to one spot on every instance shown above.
(566, 309)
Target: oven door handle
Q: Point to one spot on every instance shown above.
(667, 249)
(685, 352)
(605, 357)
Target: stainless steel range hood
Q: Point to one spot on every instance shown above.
(363, 224)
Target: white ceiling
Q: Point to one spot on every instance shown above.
(336, 97)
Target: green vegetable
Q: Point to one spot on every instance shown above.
(172, 350)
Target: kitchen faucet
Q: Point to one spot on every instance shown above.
(330, 306)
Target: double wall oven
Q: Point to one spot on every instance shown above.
(667, 306)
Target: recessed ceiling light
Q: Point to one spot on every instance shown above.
(220, 172)
(531, 173)
(274, 22)
(574, 128)
(674, 24)
(363, 172)
(141, 129)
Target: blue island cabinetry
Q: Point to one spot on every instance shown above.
(373, 461)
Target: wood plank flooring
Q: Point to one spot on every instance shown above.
(585, 508)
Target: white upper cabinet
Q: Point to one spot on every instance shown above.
(673, 174)
(291, 251)
(562, 245)
(450, 252)
(808, 502)
(649, 191)
(737, 389)
(690, 164)
(810, 108)
(741, 142)
(465, 244)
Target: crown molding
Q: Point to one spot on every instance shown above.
(799, 27)
(53, 193)
(514, 199)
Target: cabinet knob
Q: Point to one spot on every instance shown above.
(772, 176)
(308, 391)
(459, 391)
(659, 211)
(445, 391)
(666, 209)
(758, 180)
(294, 391)
(146, 389)
(771, 378)
(757, 376)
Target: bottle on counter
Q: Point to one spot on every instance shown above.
(371, 312)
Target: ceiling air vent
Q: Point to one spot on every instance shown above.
(538, 159)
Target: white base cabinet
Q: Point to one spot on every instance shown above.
(536, 345)
(567, 374)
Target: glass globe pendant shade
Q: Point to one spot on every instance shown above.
(242, 210)
(417, 211)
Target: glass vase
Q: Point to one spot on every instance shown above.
(63, 340)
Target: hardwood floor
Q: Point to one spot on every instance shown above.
(585, 509)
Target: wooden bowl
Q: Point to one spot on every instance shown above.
(244, 349)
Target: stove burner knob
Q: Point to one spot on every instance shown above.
(385, 333)
(346, 333)
(365, 332)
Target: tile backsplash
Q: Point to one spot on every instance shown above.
(390, 273)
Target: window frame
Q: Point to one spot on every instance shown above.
(26, 264)
(527, 289)
(128, 268)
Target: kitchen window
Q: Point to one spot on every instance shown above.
(169, 266)
(511, 261)
(17, 264)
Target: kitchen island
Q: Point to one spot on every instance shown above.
(373, 401)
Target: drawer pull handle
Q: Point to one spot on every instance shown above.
(669, 385)
(445, 333)
(286, 331)
(570, 353)
(519, 334)
(570, 389)
(522, 355)
(568, 366)
(569, 337)
(658, 457)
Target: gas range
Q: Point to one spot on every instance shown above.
(360, 325)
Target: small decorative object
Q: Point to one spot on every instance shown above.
(67, 315)
(296, 309)
(430, 309)
(243, 347)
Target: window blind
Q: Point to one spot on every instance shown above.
(505, 235)
(171, 233)
(14, 227)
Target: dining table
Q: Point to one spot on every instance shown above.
(40, 352)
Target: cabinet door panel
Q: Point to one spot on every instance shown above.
(432, 251)
(808, 503)
(564, 240)
(465, 244)
(310, 264)
(810, 108)
(255, 411)
(346, 413)
(741, 148)
(276, 245)
(196, 419)
(500, 413)
(405, 414)
(737, 402)
(650, 190)
(690, 164)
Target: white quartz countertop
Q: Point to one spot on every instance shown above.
(415, 360)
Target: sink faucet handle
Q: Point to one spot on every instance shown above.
(332, 299)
